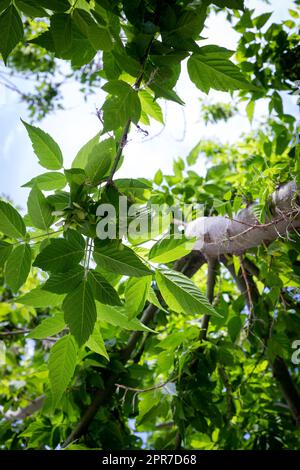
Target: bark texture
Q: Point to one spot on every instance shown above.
(221, 235)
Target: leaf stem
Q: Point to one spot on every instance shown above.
(87, 257)
(44, 235)
(124, 137)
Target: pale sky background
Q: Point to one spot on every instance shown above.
(73, 127)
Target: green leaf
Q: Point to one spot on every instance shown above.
(194, 154)
(103, 291)
(236, 264)
(112, 278)
(110, 66)
(45, 148)
(137, 189)
(11, 31)
(83, 20)
(276, 103)
(75, 238)
(100, 38)
(47, 181)
(76, 178)
(40, 298)
(172, 341)
(163, 92)
(4, 4)
(82, 156)
(17, 267)
(123, 62)
(118, 258)
(118, 316)
(294, 13)
(234, 327)
(80, 312)
(188, 25)
(250, 108)
(82, 51)
(261, 20)
(62, 34)
(39, 210)
(152, 298)
(48, 327)
(100, 160)
(62, 283)
(55, 5)
(44, 40)
(123, 106)
(158, 177)
(11, 223)
(62, 363)
(30, 8)
(136, 293)
(2, 352)
(59, 256)
(96, 344)
(210, 68)
(282, 141)
(37, 432)
(170, 249)
(110, 5)
(60, 200)
(5, 250)
(181, 294)
(234, 4)
(150, 106)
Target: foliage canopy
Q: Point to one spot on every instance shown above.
(147, 334)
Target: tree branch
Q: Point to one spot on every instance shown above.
(28, 410)
(279, 367)
(218, 235)
(14, 333)
(240, 281)
(189, 266)
(212, 264)
(287, 387)
(143, 390)
(210, 287)
(122, 144)
(124, 138)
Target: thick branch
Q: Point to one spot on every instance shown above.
(28, 410)
(210, 287)
(222, 235)
(287, 387)
(100, 397)
(279, 367)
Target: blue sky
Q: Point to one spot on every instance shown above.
(72, 127)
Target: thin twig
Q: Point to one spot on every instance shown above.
(124, 137)
(250, 301)
(143, 390)
(14, 333)
(210, 286)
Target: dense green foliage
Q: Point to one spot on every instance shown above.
(72, 322)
